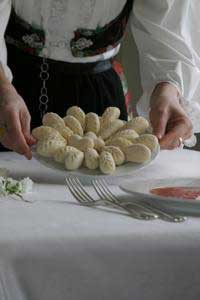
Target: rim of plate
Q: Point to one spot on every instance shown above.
(121, 171)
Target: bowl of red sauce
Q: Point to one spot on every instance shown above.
(182, 192)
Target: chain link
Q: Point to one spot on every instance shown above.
(44, 99)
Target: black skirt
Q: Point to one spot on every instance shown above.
(67, 85)
(93, 88)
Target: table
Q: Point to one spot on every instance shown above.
(54, 249)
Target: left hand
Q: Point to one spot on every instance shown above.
(168, 118)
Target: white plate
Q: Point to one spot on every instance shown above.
(141, 190)
(124, 170)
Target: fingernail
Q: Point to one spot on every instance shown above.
(28, 156)
(159, 135)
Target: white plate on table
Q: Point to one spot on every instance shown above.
(141, 191)
(125, 170)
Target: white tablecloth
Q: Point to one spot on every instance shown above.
(54, 249)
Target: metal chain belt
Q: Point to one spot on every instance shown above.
(44, 76)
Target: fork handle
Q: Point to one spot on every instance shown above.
(165, 215)
(129, 205)
(133, 213)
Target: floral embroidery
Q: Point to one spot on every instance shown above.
(89, 42)
(82, 44)
(86, 42)
(24, 36)
(32, 40)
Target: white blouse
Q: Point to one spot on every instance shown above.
(167, 33)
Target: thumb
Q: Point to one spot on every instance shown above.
(14, 138)
(159, 120)
(25, 124)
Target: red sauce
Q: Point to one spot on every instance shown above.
(178, 192)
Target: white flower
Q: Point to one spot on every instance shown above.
(2, 186)
(27, 185)
(10, 186)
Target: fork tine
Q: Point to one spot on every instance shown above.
(102, 188)
(81, 189)
(106, 188)
(72, 190)
(78, 191)
(99, 189)
(115, 198)
(75, 191)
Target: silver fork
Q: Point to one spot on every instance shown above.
(103, 190)
(83, 197)
(105, 194)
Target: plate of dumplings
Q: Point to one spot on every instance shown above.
(92, 145)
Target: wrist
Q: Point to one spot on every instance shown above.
(7, 93)
(6, 87)
(165, 90)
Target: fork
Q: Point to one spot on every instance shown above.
(103, 191)
(84, 198)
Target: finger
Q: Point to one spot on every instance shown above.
(169, 142)
(31, 141)
(172, 139)
(159, 119)
(25, 124)
(14, 138)
(186, 128)
(7, 141)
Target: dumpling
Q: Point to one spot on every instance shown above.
(48, 147)
(52, 119)
(91, 159)
(117, 154)
(106, 163)
(73, 124)
(73, 159)
(138, 153)
(148, 140)
(92, 123)
(78, 113)
(111, 129)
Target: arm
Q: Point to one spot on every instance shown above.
(5, 8)
(168, 71)
(14, 115)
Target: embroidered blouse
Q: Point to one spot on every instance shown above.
(62, 21)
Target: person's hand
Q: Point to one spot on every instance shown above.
(14, 116)
(168, 118)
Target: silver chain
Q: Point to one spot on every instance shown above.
(44, 76)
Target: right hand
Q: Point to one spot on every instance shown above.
(168, 117)
(15, 116)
